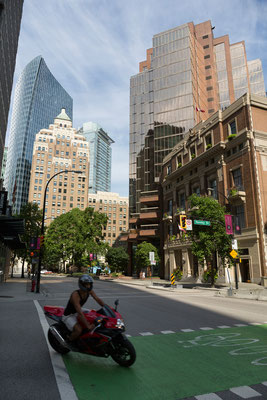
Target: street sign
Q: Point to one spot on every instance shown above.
(153, 262)
(200, 222)
(151, 256)
(234, 244)
(189, 224)
(233, 253)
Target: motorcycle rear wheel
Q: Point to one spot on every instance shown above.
(124, 353)
(55, 343)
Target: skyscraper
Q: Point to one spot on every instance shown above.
(100, 157)
(187, 76)
(38, 98)
(10, 18)
(56, 149)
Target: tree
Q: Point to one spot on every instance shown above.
(73, 236)
(117, 259)
(209, 240)
(32, 216)
(142, 255)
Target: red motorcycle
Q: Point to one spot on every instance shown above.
(106, 339)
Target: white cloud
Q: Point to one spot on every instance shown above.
(93, 47)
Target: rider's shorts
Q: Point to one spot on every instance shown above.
(70, 320)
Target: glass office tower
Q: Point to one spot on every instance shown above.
(10, 18)
(100, 157)
(39, 98)
(187, 76)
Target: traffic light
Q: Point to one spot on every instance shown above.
(41, 241)
(33, 243)
(183, 221)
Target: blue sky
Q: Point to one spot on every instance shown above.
(93, 47)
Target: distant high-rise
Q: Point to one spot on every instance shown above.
(59, 148)
(10, 18)
(38, 98)
(100, 157)
(188, 75)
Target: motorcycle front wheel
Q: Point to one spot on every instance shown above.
(54, 342)
(123, 353)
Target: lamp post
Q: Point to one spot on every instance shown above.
(235, 269)
(42, 226)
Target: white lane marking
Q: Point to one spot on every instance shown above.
(240, 325)
(264, 383)
(245, 392)
(128, 335)
(65, 387)
(187, 330)
(206, 328)
(223, 326)
(146, 334)
(209, 396)
(166, 332)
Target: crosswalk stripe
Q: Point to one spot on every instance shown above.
(206, 328)
(146, 334)
(187, 330)
(209, 396)
(245, 392)
(240, 325)
(166, 332)
(223, 326)
(255, 323)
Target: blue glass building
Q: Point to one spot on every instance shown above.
(39, 98)
(100, 157)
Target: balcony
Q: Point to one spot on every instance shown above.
(150, 198)
(149, 230)
(236, 194)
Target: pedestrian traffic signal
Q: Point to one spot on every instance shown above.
(33, 243)
(34, 253)
(183, 221)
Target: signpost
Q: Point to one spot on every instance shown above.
(152, 262)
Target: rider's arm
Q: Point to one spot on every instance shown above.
(75, 298)
(97, 299)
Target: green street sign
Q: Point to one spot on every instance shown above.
(200, 222)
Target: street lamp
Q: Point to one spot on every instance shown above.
(42, 226)
(230, 209)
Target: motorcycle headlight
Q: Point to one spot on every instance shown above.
(120, 323)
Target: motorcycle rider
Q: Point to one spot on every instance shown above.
(74, 307)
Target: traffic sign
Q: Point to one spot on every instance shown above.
(151, 256)
(233, 253)
(189, 224)
(234, 244)
(200, 222)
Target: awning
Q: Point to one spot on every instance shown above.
(10, 230)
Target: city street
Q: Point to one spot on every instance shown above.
(188, 343)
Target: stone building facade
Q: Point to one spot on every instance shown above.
(226, 157)
(56, 149)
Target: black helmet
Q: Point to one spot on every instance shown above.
(86, 279)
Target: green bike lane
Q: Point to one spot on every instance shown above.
(174, 366)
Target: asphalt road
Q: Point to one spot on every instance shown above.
(151, 310)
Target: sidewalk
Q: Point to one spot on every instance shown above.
(25, 369)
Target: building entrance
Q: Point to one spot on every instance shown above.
(244, 271)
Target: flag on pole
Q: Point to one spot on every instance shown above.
(199, 109)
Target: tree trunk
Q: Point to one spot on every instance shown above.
(22, 268)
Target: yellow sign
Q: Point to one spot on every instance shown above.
(233, 253)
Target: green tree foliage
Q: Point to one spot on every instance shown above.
(117, 259)
(32, 216)
(73, 236)
(206, 240)
(142, 255)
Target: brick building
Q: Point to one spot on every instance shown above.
(116, 208)
(224, 156)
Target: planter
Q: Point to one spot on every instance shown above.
(231, 137)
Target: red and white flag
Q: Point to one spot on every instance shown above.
(199, 109)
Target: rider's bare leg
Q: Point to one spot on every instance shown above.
(77, 330)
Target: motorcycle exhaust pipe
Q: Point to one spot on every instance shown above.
(58, 336)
